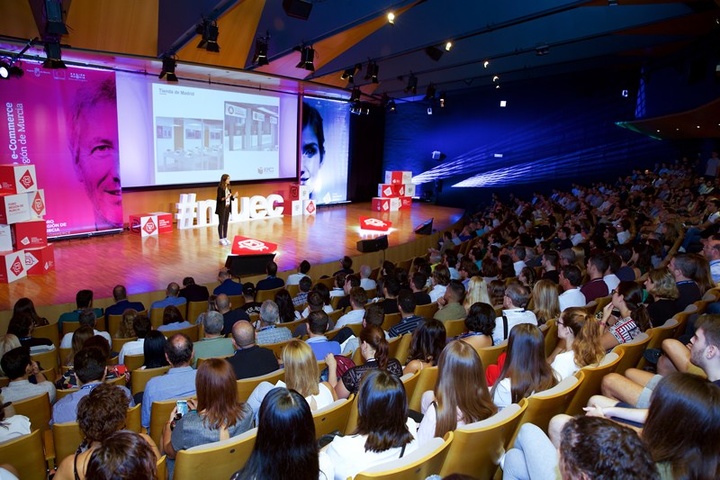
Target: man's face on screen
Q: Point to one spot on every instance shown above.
(97, 162)
(310, 159)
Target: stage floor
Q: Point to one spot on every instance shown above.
(149, 264)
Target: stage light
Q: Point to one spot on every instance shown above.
(372, 72)
(391, 18)
(355, 95)
(542, 50)
(503, 103)
(260, 57)
(495, 79)
(349, 73)
(9, 70)
(4, 70)
(486, 63)
(209, 31)
(412, 84)
(391, 107)
(448, 46)
(307, 55)
(168, 68)
(430, 92)
(443, 98)
(54, 15)
(54, 55)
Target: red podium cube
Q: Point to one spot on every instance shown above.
(39, 261)
(12, 266)
(17, 179)
(31, 234)
(14, 208)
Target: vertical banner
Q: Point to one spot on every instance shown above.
(324, 146)
(65, 123)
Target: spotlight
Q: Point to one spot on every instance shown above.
(430, 92)
(372, 72)
(448, 46)
(391, 18)
(209, 31)
(307, 55)
(429, 111)
(168, 68)
(391, 107)
(349, 73)
(412, 84)
(9, 70)
(434, 53)
(54, 55)
(355, 95)
(4, 70)
(486, 63)
(260, 57)
(442, 99)
(54, 15)
(495, 79)
(542, 50)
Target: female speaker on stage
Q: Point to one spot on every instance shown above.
(222, 207)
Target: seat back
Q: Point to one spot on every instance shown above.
(410, 382)
(194, 309)
(159, 414)
(426, 381)
(117, 343)
(601, 302)
(262, 295)
(293, 290)
(631, 351)
(427, 311)
(453, 328)
(156, 317)
(63, 354)
(393, 345)
(427, 460)
(490, 355)
(67, 437)
(236, 301)
(245, 386)
(69, 327)
(657, 336)
(191, 331)
(332, 418)
(551, 337)
(140, 377)
(133, 420)
(64, 392)
(161, 473)
(352, 419)
(47, 360)
(278, 347)
(327, 281)
(590, 385)
(215, 460)
(487, 439)
(390, 320)
(47, 331)
(335, 315)
(133, 362)
(403, 348)
(114, 322)
(26, 455)
(37, 409)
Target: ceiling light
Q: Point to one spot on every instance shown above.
(391, 18)
(53, 55)
(168, 68)
(372, 72)
(307, 55)
(430, 92)
(4, 70)
(209, 31)
(411, 84)
(443, 98)
(355, 95)
(9, 70)
(260, 57)
(349, 73)
(448, 46)
(486, 63)
(495, 79)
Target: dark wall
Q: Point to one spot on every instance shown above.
(365, 170)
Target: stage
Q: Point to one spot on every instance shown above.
(146, 265)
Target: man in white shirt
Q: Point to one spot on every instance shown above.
(570, 279)
(365, 281)
(86, 317)
(141, 327)
(711, 250)
(358, 299)
(518, 257)
(302, 271)
(18, 366)
(514, 313)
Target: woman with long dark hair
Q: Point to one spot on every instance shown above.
(286, 309)
(224, 199)
(428, 340)
(633, 317)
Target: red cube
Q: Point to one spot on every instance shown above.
(39, 261)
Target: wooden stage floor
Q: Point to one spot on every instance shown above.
(149, 264)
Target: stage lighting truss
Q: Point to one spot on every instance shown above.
(349, 73)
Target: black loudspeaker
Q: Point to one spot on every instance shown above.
(425, 228)
(297, 8)
(240, 265)
(374, 245)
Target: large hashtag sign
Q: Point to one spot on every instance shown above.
(186, 214)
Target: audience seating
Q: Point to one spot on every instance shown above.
(427, 460)
(140, 377)
(426, 381)
(333, 418)
(64, 392)
(262, 295)
(453, 328)
(277, 348)
(335, 301)
(592, 378)
(133, 362)
(245, 386)
(69, 327)
(327, 281)
(490, 355)
(194, 309)
(47, 360)
(410, 381)
(357, 357)
(26, 455)
(133, 421)
(487, 440)
(156, 317)
(63, 354)
(403, 348)
(292, 325)
(47, 331)
(114, 322)
(66, 439)
(426, 311)
(238, 301)
(657, 335)
(352, 420)
(293, 290)
(4, 382)
(161, 468)
(159, 415)
(631, 351)
(200, 361)
(335, 315)
(601, 303)
(372, 293)
(551, 337)
(215, 460)
(191, 331)
(37, 409)
(390, 320)
(117, 343)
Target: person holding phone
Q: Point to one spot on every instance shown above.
(224, 199)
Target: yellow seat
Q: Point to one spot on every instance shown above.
(426, 381)
(293, 290)
(335, 301)
(262, 295)
(66, 438)
(332, 418)
(657, 336)
(47, 331)
(390, 320)
(238, 301)
(427, 460)
(133, 362)
(277, 348)
(551, 337)
(355, 327)
(117, 343)
(327, 281)
(191, 331)
(200, 361)
(335, 315)
(590, 385)
(194, 309)
(140, 377)
(632, 352)
(114, 322)
(410, 381)
(64, 392)
(133, 421)
(490, 355)
(215, 460)
(156, 317)
(487, 440)
(26, 455)
(245, 386)
(37, 409)
(69, 327)
(403, 348)
(47, 360)
(159, 415)
(161, 473)
(426, 311)
(601, 302)
(453, 328)
(393, 346)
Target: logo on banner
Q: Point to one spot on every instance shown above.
(38, 206)
(149, 227)
(26, 180)
(254, 245)
(17, 267)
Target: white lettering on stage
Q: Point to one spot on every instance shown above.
(243, 210)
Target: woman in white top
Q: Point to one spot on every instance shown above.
(13, 426)
(384, 432)
(461, 395)
(440, 281)
(579, 344)
(301, 374)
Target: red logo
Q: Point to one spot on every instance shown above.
(26, 180)
(294, 192)
(149, 227)
(17, 267)
(367, 223)
(38, 206)
(310, 207)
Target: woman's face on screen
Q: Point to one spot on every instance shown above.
(310, 159)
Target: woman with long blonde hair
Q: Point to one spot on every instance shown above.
(477, 291)
(581, 346)
(545, 299)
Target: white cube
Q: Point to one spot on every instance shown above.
(309, 207)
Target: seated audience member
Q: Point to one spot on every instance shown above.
(173, 320)
(460, 395)
(496, 291)
(124, 455)
(25, 307)
(317, 325)
(250, 306)
(68, 379)
(320, 303)
(121, 303)
(283, 411)
(527, 277)
(391, 289)
(684, 267)
(99, 415)
(228, 286)
(661, 285)
(141, 327)
(90, 369)
(272, 281)
(125, 329)
(178, 382)
(633, 316)
(301, 374)
(450, 304)
(286, 309)
(507, 270)
(480, 323)
(513, 313)
(596, 286)
(230, 315)
(19, 367)
(12, 426)
(217, 413)
(302, 271)
(579, 342)
(172, 297)
(567, 257)
(610, 278)
(266, 328)
(440, 280)
(7, 343)
(358, 299)
(22, 327)
(418, 281)
(83, 300)
(384, 432)
(525, 370)
(428, 340)
(250, 360)
(374, 349)
(304, 286)
(213, 344)
(154, 350)
(350, 282)
(365, 281)
(410, 321)
(476, 291)
(339, 283)
(87, 317)
(346, 338)
(550, 263)
(546, 301)
(346, 264)
(193, 292)
(625, 272)
(570, 280)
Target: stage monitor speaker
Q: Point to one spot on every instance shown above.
(425, 228)
(297, 8)
(373, 245)
(240, 265)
